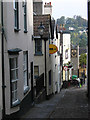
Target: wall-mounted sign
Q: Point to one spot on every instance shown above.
(52, 49)
(65, 68)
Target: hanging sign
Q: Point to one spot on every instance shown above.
(52, 49)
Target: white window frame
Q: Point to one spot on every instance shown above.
(25, 69)
(14, 91)
(16, 14)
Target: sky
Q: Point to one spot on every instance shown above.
(68, 8)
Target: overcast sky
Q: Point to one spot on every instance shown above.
(69, 8)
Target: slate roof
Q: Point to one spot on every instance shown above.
(46, 20)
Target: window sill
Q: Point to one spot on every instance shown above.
(16, 30)
(26, 89)
(16, 103)
(25, 31)
(38, 54)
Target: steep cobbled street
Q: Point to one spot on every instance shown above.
(73, 105)
(69, 103)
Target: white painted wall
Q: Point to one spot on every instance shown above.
(48, 10)
(66, 45)
(37, 0)
(56, 70)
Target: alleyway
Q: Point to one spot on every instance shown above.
(69, 103)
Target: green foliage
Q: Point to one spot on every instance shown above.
(79, 24)
(78, 38)
(61, 20)
(82, 60)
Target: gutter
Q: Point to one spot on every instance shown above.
(3, 80)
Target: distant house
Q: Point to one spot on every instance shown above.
(66, 53)
(75, 59)
(71, 28)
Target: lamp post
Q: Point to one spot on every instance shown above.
(41, 33)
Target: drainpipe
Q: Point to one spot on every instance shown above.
(3, 81)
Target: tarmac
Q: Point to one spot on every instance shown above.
(69, 103)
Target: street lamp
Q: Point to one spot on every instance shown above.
(41, 33)
(41, 29)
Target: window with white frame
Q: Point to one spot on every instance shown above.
(38, 46)
(66, 54)
(16, 14)
(14, 79)
(25, 69)
(25, 16)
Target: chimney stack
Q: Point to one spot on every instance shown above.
(48, 8)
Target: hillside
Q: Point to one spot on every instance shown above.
(77, 25)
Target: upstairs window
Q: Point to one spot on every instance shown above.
(66, 54)
(38, 47)
(25, 17)
(16, 15)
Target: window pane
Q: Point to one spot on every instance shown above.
(13, 75)
(12, 64)
(25, 78)
(15, 95)
(25, 17)
(38, 46)
(16, 73)
(16, 17)
(25, 69)
(16, 62)
(36, 71)
(14, 86)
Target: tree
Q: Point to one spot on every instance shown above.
(61, 20)
(82, 60)
(83, 40)
(79, 24)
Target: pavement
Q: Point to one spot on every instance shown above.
(69, 103)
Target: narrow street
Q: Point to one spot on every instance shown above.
(69, 103)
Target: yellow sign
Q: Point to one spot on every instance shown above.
(52, 49)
